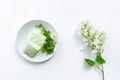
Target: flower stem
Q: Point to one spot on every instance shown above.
(103, 73)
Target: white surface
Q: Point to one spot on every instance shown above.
(65, 16)
(24, 34)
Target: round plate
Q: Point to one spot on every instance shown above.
(23, 36)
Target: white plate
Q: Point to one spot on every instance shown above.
(23, 36)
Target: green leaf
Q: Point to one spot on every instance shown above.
(100, 60)
(40, 26)
(90, 62)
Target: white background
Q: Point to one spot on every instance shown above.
(65, 16)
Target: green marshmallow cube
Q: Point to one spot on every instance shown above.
(35, 43)
(31, 49)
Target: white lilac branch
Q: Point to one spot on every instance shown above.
(95, 40)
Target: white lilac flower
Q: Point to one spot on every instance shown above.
(93, 37)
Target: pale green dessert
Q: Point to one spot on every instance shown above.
(31, 49)
(35, 43)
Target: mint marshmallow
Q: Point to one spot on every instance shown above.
(36, 41)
